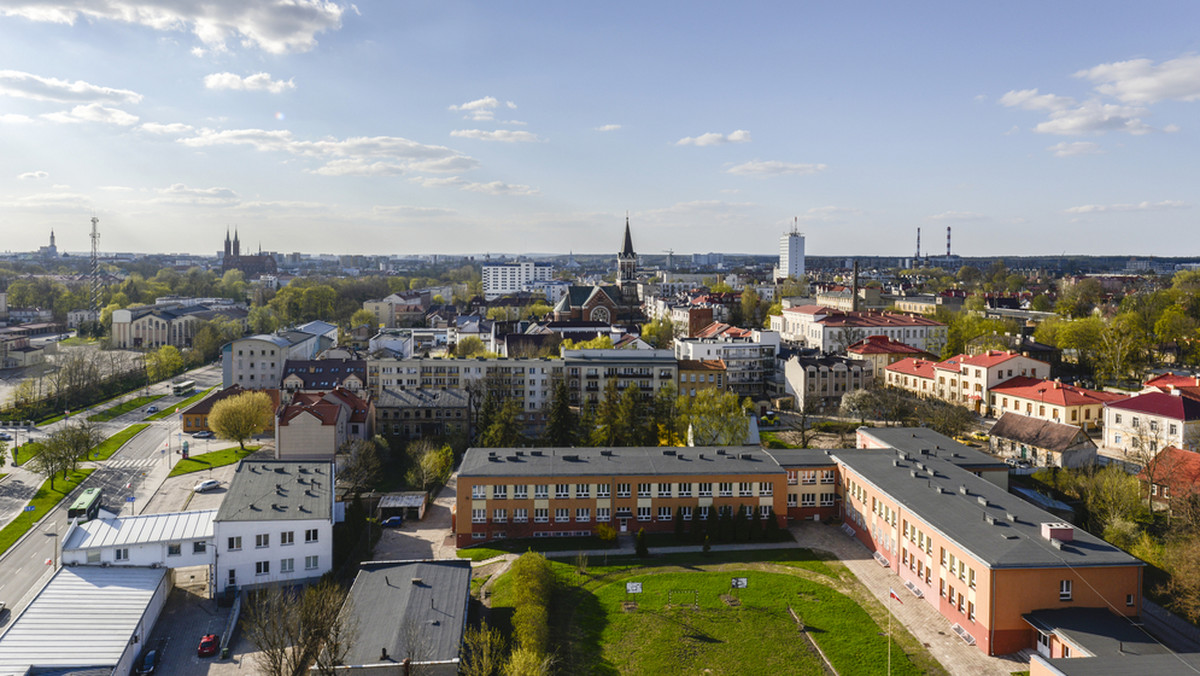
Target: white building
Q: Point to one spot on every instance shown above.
(256, 362)
(831, 330)
(503, 279)
(171, 540)
(275, 524)
(749, 357)
(791, 256)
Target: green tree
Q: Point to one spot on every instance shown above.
(241, 416)
(483, 652)
(262, 319)
(163, 363)
(750, 308)
(660, 333)
(561, 423)
(716, 417)
(362, 467)
(504, 431)
(598, 343)
(610, 429)
(1121, 348)
(1173, 327)
(469, 347)
(430, 463)
(363, 317)
(640, 547)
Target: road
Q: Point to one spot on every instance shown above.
(134, 471)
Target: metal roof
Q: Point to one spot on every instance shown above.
(395, 602)
(405, 499)
(84, 617)
(142, 529)
(625, 461)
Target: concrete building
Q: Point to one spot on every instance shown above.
(301, 375)
(195, 418)
(275, 524)
(830, 330)
(553, 492)
(696, 375)
(1142, 425)
(821, 382)
(315, 425)
(749, 356)
(589, 371)
(505, 279)
(881, 352)
(962, 379)
(170, 540)
(791, 255)
(169, 323)
(423, 413)
(256, 362)
(1050, 400)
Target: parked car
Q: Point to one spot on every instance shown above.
(208, 646)
(149, 662)
(152, 409)
(202, 434)
(5, 436)
(393, 522)
(207, 485)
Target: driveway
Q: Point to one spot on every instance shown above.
(174, 494)
(430, 538)
(177, 633)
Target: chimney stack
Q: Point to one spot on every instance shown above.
(947, 241)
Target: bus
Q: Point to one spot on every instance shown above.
(86, 506)
(183, 387)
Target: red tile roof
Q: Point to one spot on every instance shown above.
(1180, 405)
(1167, 380)
(953, 364)
(921, 368)
(1053, 392)
(989, 359)
(702, 365)
(882, 345)
(720, 329)
(1175, 468)
(876, 320)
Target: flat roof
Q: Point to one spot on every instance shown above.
(695, 460)
(142, 529)
(395, 602)
(1098, 631)
(802, 457)
(279, 490)
(915, 439)
(931, 488)
(1133, 665)
(84, 617)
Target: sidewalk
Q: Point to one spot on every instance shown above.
(921, 620)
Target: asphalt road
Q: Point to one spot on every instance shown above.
(120, 477)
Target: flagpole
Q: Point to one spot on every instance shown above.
(889, 641)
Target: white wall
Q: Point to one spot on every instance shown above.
(146, 554)
(243, 561)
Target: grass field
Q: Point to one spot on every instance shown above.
(181, 405)
(751, 632)
(122, 409)
(110, 445)
(43, 501)
(205, 461)
(27, 450)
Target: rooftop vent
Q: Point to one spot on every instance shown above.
(895, 463)
(571, 458)
(746, 456)
(989, 519)
(1011, 517)
(912, 473)
(720, 451)
(418, 581)
(669, 452)
(606, 454)
(511, 458)
(520, 453)
(1056, 543)
(981, 500)
(1058, 530)
(537, 454)
(963, 489)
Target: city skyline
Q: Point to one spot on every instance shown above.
(410, 129)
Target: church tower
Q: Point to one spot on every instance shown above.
(237, 247)
(627, 267)
(228, 244)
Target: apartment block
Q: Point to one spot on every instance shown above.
(588, 372)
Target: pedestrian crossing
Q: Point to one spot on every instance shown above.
(140, 462)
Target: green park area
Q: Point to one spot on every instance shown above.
(43, 501)
(204, 461)
(123, 408)
(796, 611)
(180, 406)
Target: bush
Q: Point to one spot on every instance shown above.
(533, 582)
(640, 544)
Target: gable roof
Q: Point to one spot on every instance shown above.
(204, 406)
(1168, 380)
(988, 359)
(912, 366)
(1178, 405)
(882, 345)
(1179, 469)
(1046, 434)
(325, 373)
(1053, 392)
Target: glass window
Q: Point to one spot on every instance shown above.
(174, 549)
(262, 567)
(664, 490)
(541, 491)
(235, 544)
(262, 540)
(311, 535)
(499, 515)
(287, 537)
(1064, 590)
(310, 562)
(643, 514)
(478, 492)
(562, 515)
(520, 492)
(583, 490)
(603, 490)
(602, 514)
(705, 490)
(623, 490)
(520, 515)
(643, 490)
(500, 492)
(541, 515)
(478, 516)
(664, 513)
(583, 515)
(287, 565)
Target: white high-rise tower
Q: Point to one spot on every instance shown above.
(791, 254)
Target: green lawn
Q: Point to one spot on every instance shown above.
(122, 409)
(110, 445)
(181, 405)
(480, 553)
(593, 633)
(43, 501)
(26, 451)
(205, 461)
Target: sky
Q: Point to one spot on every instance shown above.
(415, 127)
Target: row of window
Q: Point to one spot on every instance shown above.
(644, 490)
(808, 477)
(263, 540)
(604, 514)
(285, 565)
(810, 499)
(959, 602)
(958, 568)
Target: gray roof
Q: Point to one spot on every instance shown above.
(325, 373)
(141, 529)
(393, 601)
(538, 462)
(422, 398)
(1134, 665)
(84, 617)
(404, 499)
(914, 481)
(279, 490)
(1039, 433)
(802, 457)
(915, 439)
(1098, 631)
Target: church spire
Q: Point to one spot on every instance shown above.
(627, 250)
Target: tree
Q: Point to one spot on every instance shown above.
(640, 546)
(660, 333)
(163, 363)
(609, 428)
(469, 347)
(272, 623)
(292, 629)
(716, 417)
(526, 662)
(504, 431)
(1121, 343)
(750, 308)
(533, 582)
(241, 416)
(857, 404)
(363, 317)
(363, 466)
(328, 626)
(603, 342)
(483, 651)
(262, 319)
(431, 464)
(561, 422)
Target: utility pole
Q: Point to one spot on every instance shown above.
(96, 268)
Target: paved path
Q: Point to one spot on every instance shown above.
(429, 538)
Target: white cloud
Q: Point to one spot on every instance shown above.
(395, 153)
(959, 216)
(175, 128)
(1094, 117)
(830, 213)
(276, 26)
(1140, 81)
(49, 200)
(501, 135)
(715, 138)
(1118, 208)
(492, 188)
(1030, 99)
(115, 188)
(93, 112)
(773, 168)
(482, 109)
(33, 175)
(183, 195)
(30, 86)
(14, 118)
(258, 82)
(405, 211)
(608, 127)
(1066, 149)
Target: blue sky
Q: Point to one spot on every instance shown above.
(468, 127)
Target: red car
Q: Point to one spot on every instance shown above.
(208, 646)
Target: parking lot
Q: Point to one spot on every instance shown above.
(176, 493)
(185, 619)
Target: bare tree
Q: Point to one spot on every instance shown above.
(331, 629)
(272, 623)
